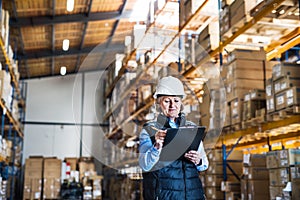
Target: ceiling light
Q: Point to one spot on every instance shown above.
(273, 11)
(63, 70)
(70, 5)
(66, 44)
(282, 12)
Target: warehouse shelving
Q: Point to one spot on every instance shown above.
(234, 139)
(263, 12)
(11, 128)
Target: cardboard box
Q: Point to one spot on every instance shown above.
(250, 108)
(236, 109)
(213, 180)
(86, 168)
(280, 101)
(284, 83)
(214, 193)
(270, 104)
(255, 160)
(278, 193)
(245, 54)
(215, 155)
(285, 69)
(269, 87)
(52, 168)
(51, 188)
(286, 98)
(72, 162)
(256, 173)
(34, 167)
(296, 189)
(295, 171)
(279, 176)
(283, 158)
(244, 189)
(32, 188)
(231, 186)
(293, 96)
(258, 189)
(216, 168)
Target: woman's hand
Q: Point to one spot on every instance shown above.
(193, 156)
(159, 138)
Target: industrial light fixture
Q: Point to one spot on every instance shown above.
(70, 5)
(66, 44)
(63, 70)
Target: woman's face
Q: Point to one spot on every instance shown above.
(170, 106)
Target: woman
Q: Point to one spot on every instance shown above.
(178, 179)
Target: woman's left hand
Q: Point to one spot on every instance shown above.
(193, 156)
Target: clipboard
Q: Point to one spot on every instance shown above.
(180, 140)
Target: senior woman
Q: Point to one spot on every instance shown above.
(172, 180)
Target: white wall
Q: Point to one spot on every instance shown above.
(59, 100)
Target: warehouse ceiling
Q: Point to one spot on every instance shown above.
(96, 29)
(39, 27)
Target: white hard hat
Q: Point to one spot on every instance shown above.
(169, 86)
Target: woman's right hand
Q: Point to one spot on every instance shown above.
(159, 138)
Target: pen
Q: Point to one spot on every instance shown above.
(154, 128)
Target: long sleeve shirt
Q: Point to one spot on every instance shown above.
(149, 155)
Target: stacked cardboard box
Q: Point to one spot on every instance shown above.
(209, 37)
(286, 85)
(5, 27)
(5, 87)
(282, 89)
(51, 178)
(86, 167)
(214, 176)
(33, 178)
(187, 8)
(234, 14)
(282, 169)
(244, 71)
(255, 181)
(254, 105)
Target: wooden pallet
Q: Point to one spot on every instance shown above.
(254, 122)
(284, 113)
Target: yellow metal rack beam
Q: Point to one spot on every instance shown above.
(262, 128)
(16, 126)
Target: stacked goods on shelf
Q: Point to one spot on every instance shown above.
(51, 178)
(214, 176)
(90, 180)
(187, 9)
(5, 27)
(204, 111)
(291, 6)
(3, 188)
(33, 178)
(124, 187)
(285, 84)
(283, 168)
(232, 186)
(213, 108)
(234, 14)
(224, 19)
(5, 149)
(6, 88)
(254, 107)
(209, 37)
(255, 180)
(244, 70)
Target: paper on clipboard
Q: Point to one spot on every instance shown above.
(181, 140)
